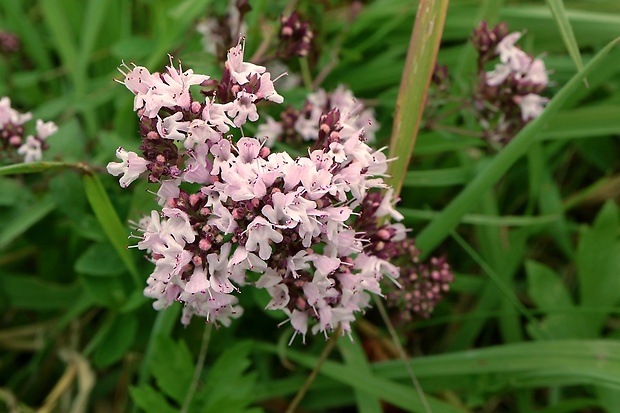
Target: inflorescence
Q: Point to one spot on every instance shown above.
(296, 227)
(297, 126)
(508, 96)
(12, 141)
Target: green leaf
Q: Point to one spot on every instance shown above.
(32, 167)
(419, 66)
(94, 16)
(516, 365)
(479, 219)
(598, 261)
(164, 324)
(150, 400)
(550, 294)
(572, 406)
(608, 398)
(67, 190)
(29, 35)
(584, 122)
(106, 291)
(100, 260)
(110, 222)
(31, 293)
(598, 264)
(117, 340)
(392, 392)
(9, 191)
(135, 47)
(173, 368)
(61, 32)
(25, 219)
(437, 177)
(228, 386)
(546, 288)
(550, 203)
(355, 358)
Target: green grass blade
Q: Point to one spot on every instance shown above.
(26, 219)
(33, 167)
(355, 358)
(416, 78)
(440, 228)
(392, 392)
(93, 19)
(412, 215)
(437, 177)
(163, 326)
(61, 33)
(516, 365)
(586, 122)
(566, 30)
(110, 223)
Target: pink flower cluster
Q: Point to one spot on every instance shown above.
(529, 75)
(12, 133)
(303, 125)
(252, 217)
(508, 96)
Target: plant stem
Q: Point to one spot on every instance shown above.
(326, 352)
(206, 337)
(402, 354)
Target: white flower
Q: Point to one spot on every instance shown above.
(172, 127)
(131, 166)
(45, 129)
(198, 282)
(10, 115)
(31, 150)
(243, 108)
(240, 70)
(531, 105)
(267, 91)
(260, 232)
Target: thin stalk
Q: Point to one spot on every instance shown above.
(402, 354)
(202, 355)
(326, 352)
(305, 73)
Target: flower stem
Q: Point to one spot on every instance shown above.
(206, 337)
(326, 352)
(401, 352)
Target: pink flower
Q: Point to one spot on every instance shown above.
(260, 232)
(198, 282)
(267, 91)
(172, 127)
(531, 105)
(31, 150)
(240, 70)
(243, 108)
(131, 166)
(45, 129)
(10, 115)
